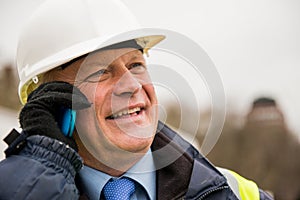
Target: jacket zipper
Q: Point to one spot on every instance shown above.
(209, 192)
(213, 190)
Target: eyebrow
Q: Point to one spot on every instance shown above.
(95, 63)
(137, 56)
(134, 57)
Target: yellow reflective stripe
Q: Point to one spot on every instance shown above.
(248, 189)
(231, 180)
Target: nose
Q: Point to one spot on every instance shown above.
(127, 85)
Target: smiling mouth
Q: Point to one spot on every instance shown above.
(126, 113)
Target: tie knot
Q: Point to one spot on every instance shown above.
(119, 189)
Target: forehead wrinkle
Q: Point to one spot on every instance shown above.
(136, 57)
(106, 58)
(98, 60)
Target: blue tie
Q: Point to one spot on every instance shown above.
(119, 189)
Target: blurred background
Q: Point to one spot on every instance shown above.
(255, 46)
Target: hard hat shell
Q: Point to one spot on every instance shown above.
(62, 30)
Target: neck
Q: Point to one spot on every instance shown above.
(118, 168)
(121, 164)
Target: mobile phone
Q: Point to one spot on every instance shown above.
(66, 121)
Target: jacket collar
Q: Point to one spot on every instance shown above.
(190, 175)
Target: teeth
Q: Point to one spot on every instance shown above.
(126, 112)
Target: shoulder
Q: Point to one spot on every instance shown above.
(42, 162)
(243, 188)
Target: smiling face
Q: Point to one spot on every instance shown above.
(123, 117)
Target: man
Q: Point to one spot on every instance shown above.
(103, 82)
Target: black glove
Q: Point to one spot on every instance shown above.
(39, 115)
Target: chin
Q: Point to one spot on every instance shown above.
(125, 141)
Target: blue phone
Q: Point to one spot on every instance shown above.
(66, 121)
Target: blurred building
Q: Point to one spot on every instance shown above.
(265, 112)
(263, 150)
(9, 87)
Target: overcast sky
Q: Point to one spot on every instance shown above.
(255, 45)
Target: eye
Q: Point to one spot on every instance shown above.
(97, 76)
(137, 68)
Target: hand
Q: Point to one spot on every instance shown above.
(38, 116)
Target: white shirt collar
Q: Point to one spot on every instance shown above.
(142, 172)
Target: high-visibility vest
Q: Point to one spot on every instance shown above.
(244, 189)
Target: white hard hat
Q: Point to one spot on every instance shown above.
(61, 30)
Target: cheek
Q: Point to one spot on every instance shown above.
(144, 78)
(101, 96)
(147, 84)
(83, 119)
(89, 90)
(98, 94)
(150, 92)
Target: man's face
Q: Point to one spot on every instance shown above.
(123, 116)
